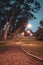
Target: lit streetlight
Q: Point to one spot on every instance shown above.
(31, 34)
(29, 25)
(28, 31)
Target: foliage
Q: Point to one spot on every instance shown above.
(16, 12)
(39, 33)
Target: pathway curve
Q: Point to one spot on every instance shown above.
(13, 55)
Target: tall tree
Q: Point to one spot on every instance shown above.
(20, 11)
(39, 32)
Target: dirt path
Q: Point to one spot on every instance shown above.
(13, 55)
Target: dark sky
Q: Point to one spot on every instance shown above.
(39, 15)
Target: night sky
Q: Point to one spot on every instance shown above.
(39, 15)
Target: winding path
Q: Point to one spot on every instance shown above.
(13, 55)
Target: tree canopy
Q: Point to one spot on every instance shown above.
(41, 23)
(39, 32)
(17, 12)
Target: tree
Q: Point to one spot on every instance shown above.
(17, 12)
(39, 32)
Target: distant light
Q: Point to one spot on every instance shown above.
(22, 33)
(29, 25)
(28, 31)
(18, 34)
(31, 34)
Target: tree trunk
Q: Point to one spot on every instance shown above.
(0, 34)
(6, 31)
(21, 27)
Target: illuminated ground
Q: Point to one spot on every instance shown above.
(34, 47)
(12, 54)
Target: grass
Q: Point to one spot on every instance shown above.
(34, 47)
(31, 45)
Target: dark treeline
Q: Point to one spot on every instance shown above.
(39, 32)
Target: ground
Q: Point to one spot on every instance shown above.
(12, 54)
(34, 47)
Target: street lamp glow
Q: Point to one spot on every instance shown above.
(28, 31)
(29, 25)
(22, 33)
(31, 34)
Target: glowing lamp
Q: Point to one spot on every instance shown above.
(29, 25)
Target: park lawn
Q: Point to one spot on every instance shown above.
(31, 45)
(34, 47)
(15, 41)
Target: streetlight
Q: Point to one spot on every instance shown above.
(31, 34)
(29, 25)
(28, 31)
